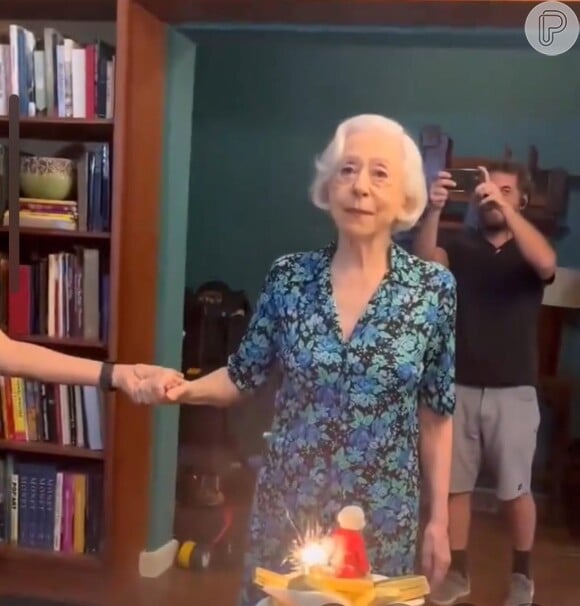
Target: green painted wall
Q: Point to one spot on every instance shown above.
(266, 103)
(263, 109)
(171, 274)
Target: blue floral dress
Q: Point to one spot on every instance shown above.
(345, 427)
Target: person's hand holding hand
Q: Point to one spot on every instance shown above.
(144, 383)
(439, 190)
(180, 392)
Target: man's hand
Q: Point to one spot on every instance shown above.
(439, 190)
(144, 383)
(436, 554)
(490, 193)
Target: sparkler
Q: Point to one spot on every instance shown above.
(311, 548)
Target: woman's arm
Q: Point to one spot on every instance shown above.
(436, 437)
(250, 366)
(437, 404)
(35, 362)
(215, 389)
(437, 399)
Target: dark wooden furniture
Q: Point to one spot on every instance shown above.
(135, 134)
(410, 13)
(556, 394)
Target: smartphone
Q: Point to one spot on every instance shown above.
(466, 179)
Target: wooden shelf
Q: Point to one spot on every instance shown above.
(77, 343)
(85, 10)
(59, 233)
(48, 448)
(14, 552)
(349, 13)
(68, 129)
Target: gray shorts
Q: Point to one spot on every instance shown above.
(495, 427)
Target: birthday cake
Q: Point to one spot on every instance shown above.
(333, 571)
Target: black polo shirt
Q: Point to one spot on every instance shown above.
(498, 302)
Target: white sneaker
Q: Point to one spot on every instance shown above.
(453, 587)
(521, 591)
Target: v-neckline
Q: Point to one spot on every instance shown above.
(370, 305)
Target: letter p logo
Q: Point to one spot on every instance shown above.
(551, 23)
(552, 28)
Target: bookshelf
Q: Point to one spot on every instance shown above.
(71, 129)
(128, 250)
(54, 460)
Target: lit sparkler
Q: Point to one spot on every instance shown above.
(311, 548)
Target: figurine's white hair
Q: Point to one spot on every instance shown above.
(415, 182)
(351, 517)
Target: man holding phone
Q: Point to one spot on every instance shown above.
(501, 268)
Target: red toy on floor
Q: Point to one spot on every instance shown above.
(349, 555)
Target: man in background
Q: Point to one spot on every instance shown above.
(501, 267)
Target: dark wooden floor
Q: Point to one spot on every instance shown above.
(557, 573)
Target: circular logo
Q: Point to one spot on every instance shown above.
(552, 28)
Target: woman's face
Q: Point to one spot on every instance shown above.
(367, 194)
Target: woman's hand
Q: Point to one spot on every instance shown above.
(180, 392)
(144, 383)
(436, 554)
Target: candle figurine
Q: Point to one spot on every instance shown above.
(349, 556)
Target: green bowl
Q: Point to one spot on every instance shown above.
(46, 178)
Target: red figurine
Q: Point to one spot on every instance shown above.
(349, 557)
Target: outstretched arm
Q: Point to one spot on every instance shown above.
(215, 389)
(43, 364)
(250, 365)
(35, 362)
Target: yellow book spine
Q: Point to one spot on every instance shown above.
(19, 408)
(80, 497)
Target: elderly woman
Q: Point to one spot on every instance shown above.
(364, 335)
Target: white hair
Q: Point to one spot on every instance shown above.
(415, 182)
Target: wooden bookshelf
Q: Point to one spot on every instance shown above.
(72, 129)
(38, 557)
(93, 140)
(61, 234)
(370, 13)
(59, 10)
(130, 250)
(62, 342)
(46, 448)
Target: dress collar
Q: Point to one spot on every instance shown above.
(400, 262)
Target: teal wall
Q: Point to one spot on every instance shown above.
(266, 103)
(171, 275)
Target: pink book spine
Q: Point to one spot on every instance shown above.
(68, 513)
